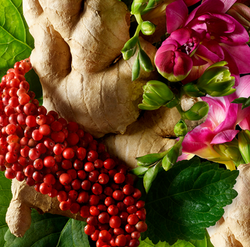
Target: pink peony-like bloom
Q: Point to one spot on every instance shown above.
(219, 126)
(201, 38)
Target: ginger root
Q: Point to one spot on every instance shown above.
(76, 45)
(232, 230)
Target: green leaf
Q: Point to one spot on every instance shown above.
(45, 230)
(180, 243)
(136, 68)
(149, 159)
(139, 171)
(16, 43)
(145, 61)
(35, 85)
(5, 197)
(188, 198)
(73, 234)
(150, 176)
(244, 101)
(129, 48)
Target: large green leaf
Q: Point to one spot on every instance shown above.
(73, 235)
(5, 197)
(180, 243)
(187, 199)
(16, 43)
(45, 230)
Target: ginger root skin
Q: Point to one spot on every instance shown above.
(77, 57)
(233, 229)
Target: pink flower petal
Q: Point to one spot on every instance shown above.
(245, 123)
(224, 136)
(176, 14)
(241, 55)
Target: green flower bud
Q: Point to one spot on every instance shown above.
(156, 94)
(147, 28)
(192, 90)
(229, 152)
(129, 48)
(244, 145)
(138, 6)
(197, 111)
(173, 102)
(180, 129)
(216, 80)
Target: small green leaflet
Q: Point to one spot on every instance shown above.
(16, 43)
(188, 198)
(244, 101)
(5, 197)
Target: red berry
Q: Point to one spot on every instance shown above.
(83, 197)
(103, 217)
(119, 178)
(49, 161)
(103, 178)
(65, 179)
(89, 167)
(109, 164)
(113, 209)
(105, 236)
(89, 229)
(121, 240)
(44, 129)
(68, 153)
(84, 211)
(115, 221)
(81, 153)
(92, 156)
(118, 195)
(10, 173)
(94, 211)
(96, 188)
(75, 208)
(49, 179)
(132, 219)
(62, 196)
(45, 188)
(65, 205)
(38, 164)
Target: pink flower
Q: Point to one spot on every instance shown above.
(205, 36)
(220, 124)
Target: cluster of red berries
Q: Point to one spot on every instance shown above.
(61, 160)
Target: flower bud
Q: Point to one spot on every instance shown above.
(244, 145)
(197, 111)
(138, 6)
(192, 90)
(216, 80)
(180, 129)
(229, 152)
(241, 12)
(156, 94)
(147, 28)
